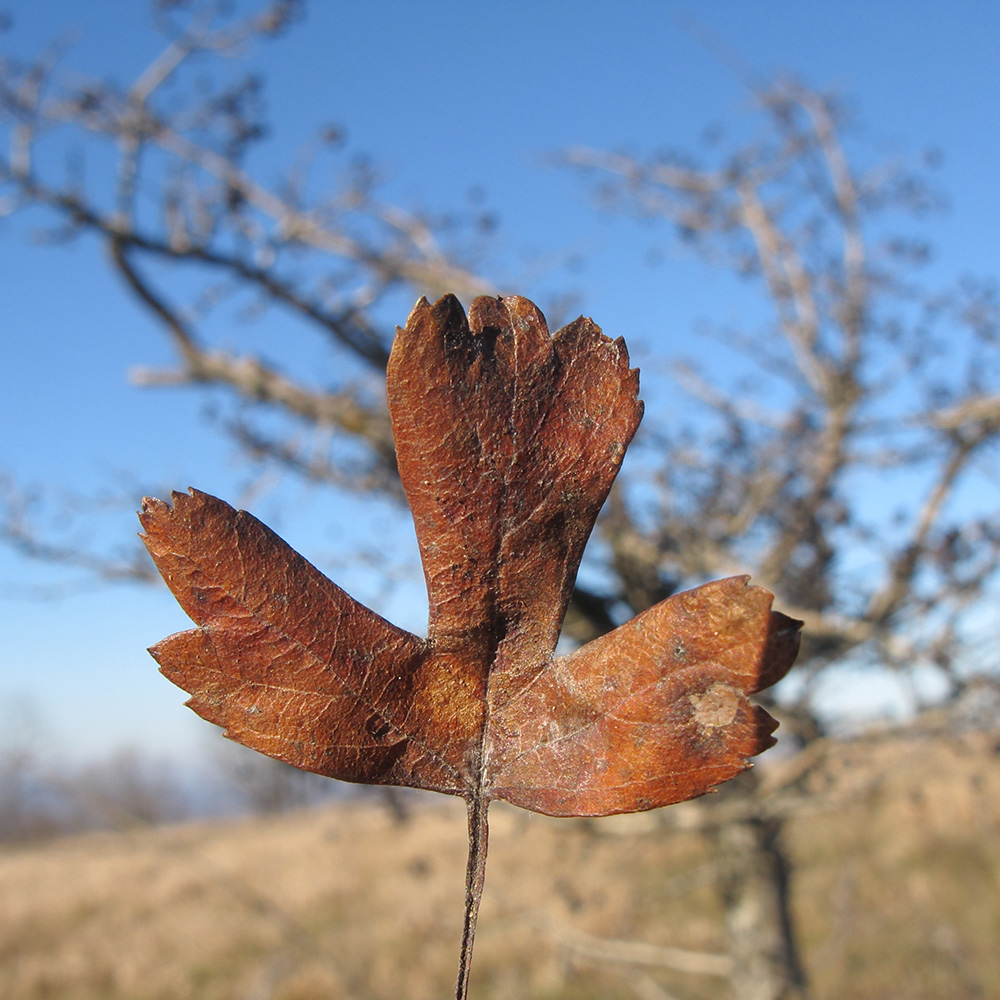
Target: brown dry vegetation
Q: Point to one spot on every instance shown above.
(897, 888)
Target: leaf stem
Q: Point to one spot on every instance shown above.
(475, 877)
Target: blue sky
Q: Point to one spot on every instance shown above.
(444, 98)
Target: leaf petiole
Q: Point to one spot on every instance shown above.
(475, 877)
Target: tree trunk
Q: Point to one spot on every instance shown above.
(756, 892)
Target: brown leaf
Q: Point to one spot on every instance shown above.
(508, 441)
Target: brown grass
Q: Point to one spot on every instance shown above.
(897, 892)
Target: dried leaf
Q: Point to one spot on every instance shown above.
(508, 441)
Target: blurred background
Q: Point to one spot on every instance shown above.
(212, 217)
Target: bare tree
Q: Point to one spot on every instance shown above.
(265, 786)
(853, 471)
(125, 790)
(180, 207)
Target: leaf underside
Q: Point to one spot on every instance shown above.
(507, 440)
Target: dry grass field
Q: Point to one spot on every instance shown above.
(897, 891)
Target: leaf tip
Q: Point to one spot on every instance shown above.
(622, 348)
(421, 305)
(150, 509)
(181, 499)
(151, 505)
